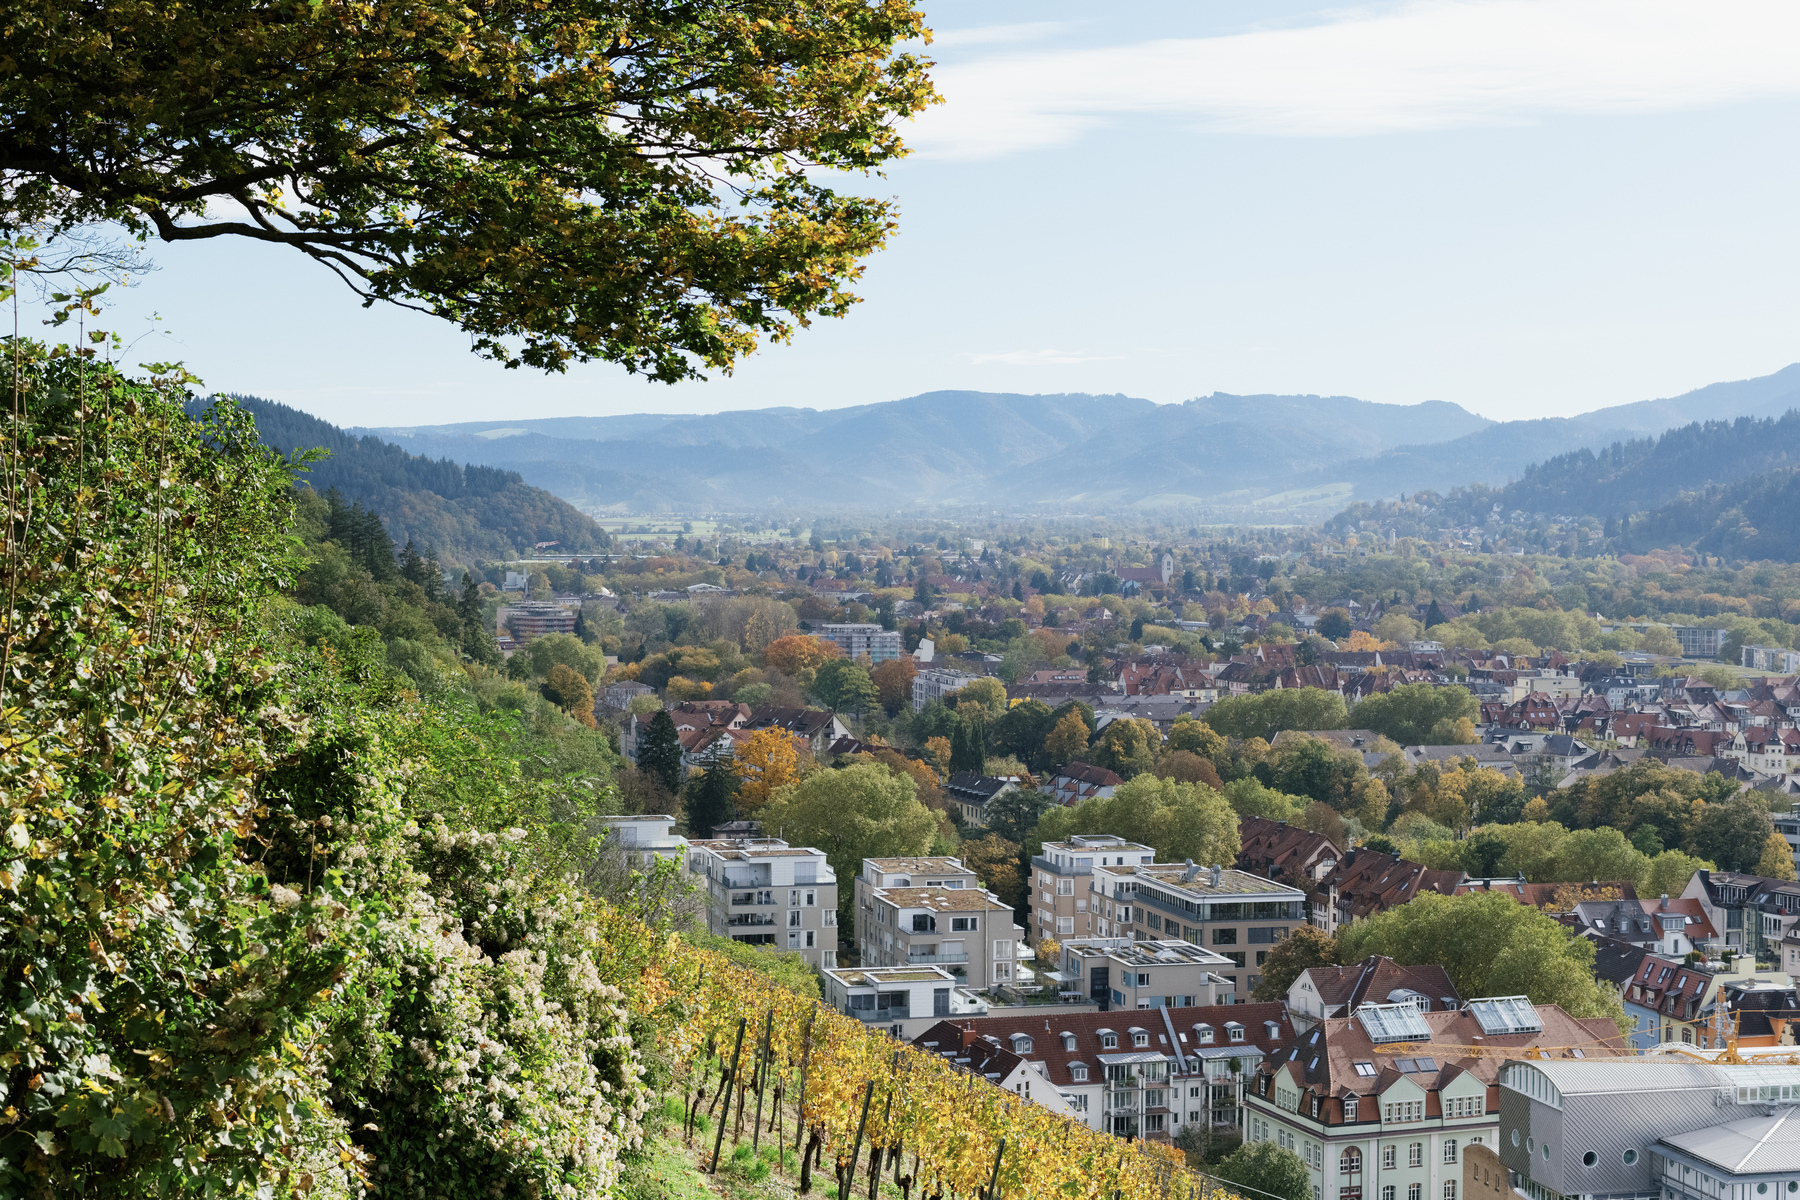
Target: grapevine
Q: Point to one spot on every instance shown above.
(962, 1134)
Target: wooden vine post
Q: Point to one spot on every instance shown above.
(862, 1123)
(800, 1107)
(762, 1076)
(993, 1187)
(725, 1113)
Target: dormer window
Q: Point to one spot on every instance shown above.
(1021, 1044)
(1078, 1072)
(1068, 1041)
(1205, 1034)
(1234, 1032)
(1349, 1108)
(1139, 1038)
(1109, 1040)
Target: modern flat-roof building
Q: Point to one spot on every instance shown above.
(969, 931)
(903, 1001)
(764, 892)
(1061, 879)
(1120, 973)
(856, 640)
(934, 683)
(646, 838)
(1240, 915)
(529, 619)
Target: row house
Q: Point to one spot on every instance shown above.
(1277, 850)
(1235, 913)
(1764, 749)
(1061, 881)
(1136, 1074)
(764, 892)
(1367, 882)
(1373, 1119)
(1321, 993)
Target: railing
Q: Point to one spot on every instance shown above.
(740, 919)
(928, 959)
(879, 1016)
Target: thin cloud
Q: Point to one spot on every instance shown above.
(1428, 65)
(1040, 358)
(991, 35)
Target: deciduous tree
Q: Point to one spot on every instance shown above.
(1068, 741)
(1267, 713)
(799, 652)
(565, 181)
(1305, 947)
(767, 760)
(862, 811)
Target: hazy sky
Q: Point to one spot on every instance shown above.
(1528, 207)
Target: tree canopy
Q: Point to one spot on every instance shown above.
(1265, 714)
(564, 181)
(1178, 820)
(1416, 714)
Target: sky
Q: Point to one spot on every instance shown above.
(1527, 207)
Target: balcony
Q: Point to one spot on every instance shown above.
(739, 919)
(913, 960)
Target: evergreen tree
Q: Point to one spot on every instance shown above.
(1434, 615)
(659, 751)
(966, 750)
(711, 798)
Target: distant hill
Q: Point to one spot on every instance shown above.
(1259, 457)
(466, 513)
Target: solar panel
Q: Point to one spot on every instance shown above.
(1393, 1023)
(1502, 1015)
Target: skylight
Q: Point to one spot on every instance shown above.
(1365, 1068)
(1502, 1015)
(1394, 1023)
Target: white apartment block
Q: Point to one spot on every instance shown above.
(856, 640)
(764, 892)
(903, 1001)
(647, 838)
(1062, 898)
(934, 912)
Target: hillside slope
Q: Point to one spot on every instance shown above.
(466, 513)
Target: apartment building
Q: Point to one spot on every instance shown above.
(1366, 882)
(1120, 973)
(1386, 1124)
(1648, 1130)
(1277, 850)
(856, 640)
(934, 871)
(1750, 914)
(647, 838)
(1132, 1074)
(764, 892)
(1061, 876)
(1235, 913)
(968, 931)
(934, 683)
(528, 619)
(902, 1001)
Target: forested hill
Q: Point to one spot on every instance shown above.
(466, 513)
(1683, 471)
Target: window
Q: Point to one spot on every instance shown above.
(962, 924)
(1143, 979)
(810, 939)
(1450, 1155)
(1078, 1072)
(1387, 1193)
(1002, 949)
(924, 923)
(794, 919)
(1065, 924)
(1350, 1162)
(1366, 1069)
(1224, 937)
(1415, 1154)
(1154, 921)
(1206, 1034)
(1078, 1103)
(1068, 1041)
(794, 899)
(1415, 1191)
(1234, 1033)
(1388, 1160)
(793, 941)
(1109, 1040)
(1349, 1108)
(1139, 1038)
(1449, 1189)
(1317, 1104)
(1403, 1110)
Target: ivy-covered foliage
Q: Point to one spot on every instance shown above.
(269, 923)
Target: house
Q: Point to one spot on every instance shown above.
(1080, 781)
(1749, 913)
(1240, 915)
(1127, 974)
(1277, 850)
(1369, 1116)
(1062, 878)
(764, 892)
(972, 793)
(1135, 1074)
(1642, 992)
(618, 696)
(1319, 993)
(1674, 928)
(1366, 882)
(984, 1055)
(902, 1001)
(818, 728)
